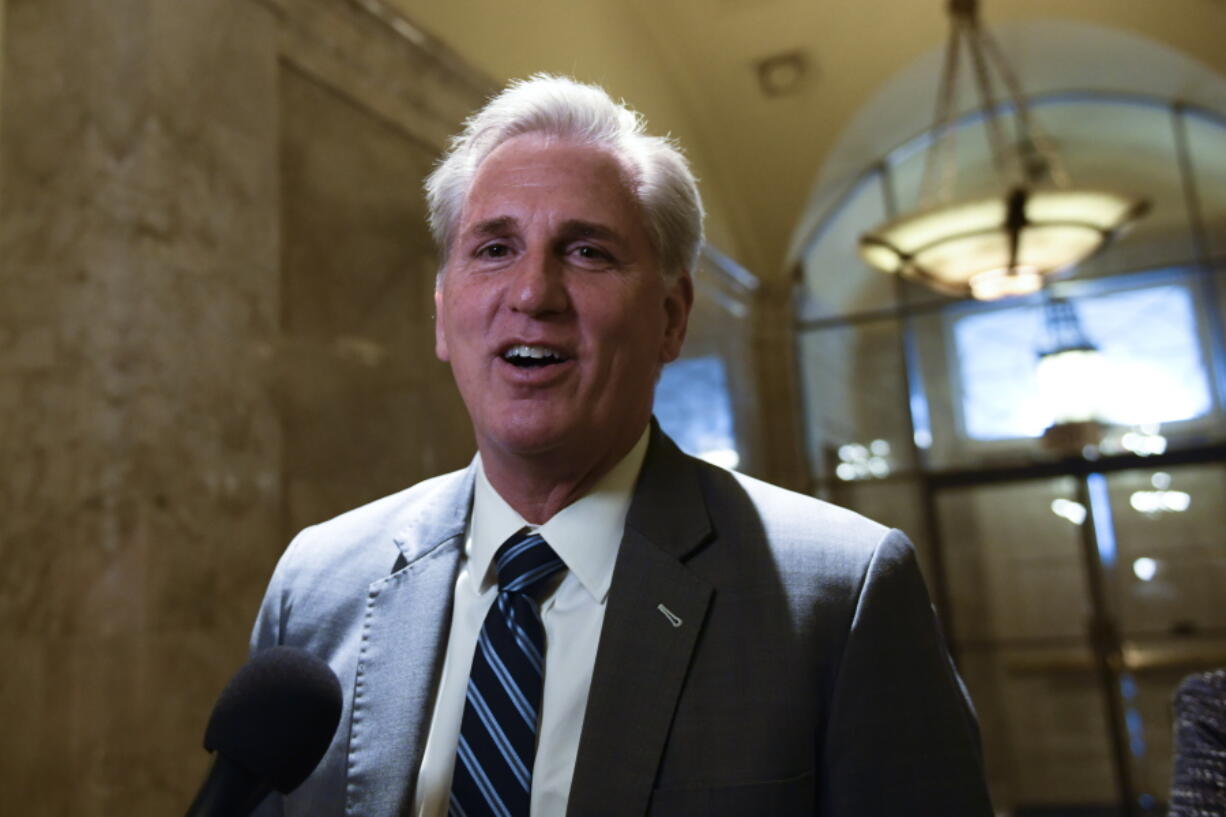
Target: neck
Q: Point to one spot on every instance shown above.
(539, 485)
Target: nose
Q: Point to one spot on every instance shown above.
(539, 286)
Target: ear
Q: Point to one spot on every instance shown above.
(440, 334)
(678, 300)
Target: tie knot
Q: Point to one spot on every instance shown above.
(524, 563)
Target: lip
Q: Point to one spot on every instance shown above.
(561, 348)
(534, 376)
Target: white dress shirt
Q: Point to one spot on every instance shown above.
(586, 535)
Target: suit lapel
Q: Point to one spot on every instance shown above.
(656, 611)
(403, 639)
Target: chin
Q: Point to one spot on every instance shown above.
(526, 436)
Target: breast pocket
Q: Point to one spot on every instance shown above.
(788, 797)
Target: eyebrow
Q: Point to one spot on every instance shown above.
(570, 230)
(575, 228)
(493, 226)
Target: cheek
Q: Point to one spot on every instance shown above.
(639, 347)
(463, 318)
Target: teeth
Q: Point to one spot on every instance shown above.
(533, 352)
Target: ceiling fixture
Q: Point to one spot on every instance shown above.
(782, 74)
(1006, 244)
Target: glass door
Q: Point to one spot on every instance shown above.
(1020, 624)
(1166, 582)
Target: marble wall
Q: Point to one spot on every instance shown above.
(196, 280)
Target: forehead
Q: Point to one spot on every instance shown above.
(534, 171)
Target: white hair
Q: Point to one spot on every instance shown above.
(559, 107)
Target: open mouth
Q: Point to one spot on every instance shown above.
(533, 357)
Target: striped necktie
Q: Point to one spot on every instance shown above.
(493, 769)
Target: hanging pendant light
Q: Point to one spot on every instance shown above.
(1002, 245)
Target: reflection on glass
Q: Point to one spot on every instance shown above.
(1074, 512)
(1153, 503)
(1104, 519)
(1144, 440)
(858, 461)
(856, 401)
(1153, 370)
(1145, 568)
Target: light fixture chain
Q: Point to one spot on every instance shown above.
(987, 101)
(939, 171)
(1040, 159)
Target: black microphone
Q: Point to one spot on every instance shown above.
(270, 728)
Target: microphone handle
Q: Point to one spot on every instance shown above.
(228, 791)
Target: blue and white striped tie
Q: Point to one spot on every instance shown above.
(493, 769)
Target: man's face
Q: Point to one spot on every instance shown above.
(552, 311)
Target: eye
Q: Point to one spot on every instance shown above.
(493, 250)
(592, 255)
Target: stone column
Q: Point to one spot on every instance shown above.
(780, 434)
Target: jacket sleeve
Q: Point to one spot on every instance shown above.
(901, 736)
(269, 632)
(270, 621)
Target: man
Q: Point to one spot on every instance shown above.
(587, 621)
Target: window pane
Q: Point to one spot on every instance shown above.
(1013, 556)
(1153, 367)
(1166, 587)
(896, 502)
(693, 408)
(855, 401)
(973, 175)
(837, 281)
(1171, 569)
(1130, 149)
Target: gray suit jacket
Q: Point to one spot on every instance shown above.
(807, 675)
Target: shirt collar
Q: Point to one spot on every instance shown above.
(585, 534)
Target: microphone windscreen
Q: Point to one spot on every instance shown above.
(277, 716)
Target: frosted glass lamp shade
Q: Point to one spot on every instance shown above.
(966, 248)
